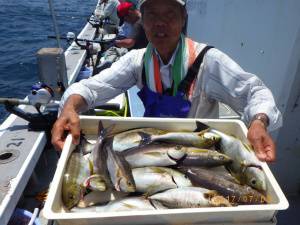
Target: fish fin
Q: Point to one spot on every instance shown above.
(219, 201)
(245, 166)
(159, 170)
(117, 186)
(247, 147)
(146, 195)
(128, 205)
(91, 166)
(100, 127)
(146, 138)
(201, 126)
(210, 194)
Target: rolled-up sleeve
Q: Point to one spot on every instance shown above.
(109, 83)
(225, 81)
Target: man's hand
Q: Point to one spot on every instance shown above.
(68, 121)
(261, 141)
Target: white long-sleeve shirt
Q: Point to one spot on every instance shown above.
(219, 79)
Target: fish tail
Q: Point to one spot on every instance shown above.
(201, 126)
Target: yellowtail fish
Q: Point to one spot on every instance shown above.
(164, 154)
(99, 154)
(234, 192)
(151, 180)
(134, 138)
(77, 171)
(142, 136)
(100, 197)
(245, 166)
(85, 145)
(204, 158)
(190, 197)
(119, 170)
(133, 204)
(155, 154)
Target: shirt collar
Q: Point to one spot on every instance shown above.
(171, 62)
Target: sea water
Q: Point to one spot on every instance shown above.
(24, 29)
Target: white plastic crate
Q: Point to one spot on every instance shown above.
(244, 214)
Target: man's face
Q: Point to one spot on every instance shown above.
(163, 22)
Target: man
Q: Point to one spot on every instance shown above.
(161, 68)
(107, 9)
(131, 33)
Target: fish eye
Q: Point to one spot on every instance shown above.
(253, 182)
(221, 157)
(178, 147)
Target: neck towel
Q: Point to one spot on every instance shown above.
(184, 58)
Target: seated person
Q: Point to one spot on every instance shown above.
(131, 33)
(107, 9)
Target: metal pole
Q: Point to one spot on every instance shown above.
(54, 23)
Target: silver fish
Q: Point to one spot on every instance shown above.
(99, 154)
(134, 138)
(156, 154)
(202, 139)
(142, 136)
(245, 166)
(234, 192)
(85, 145)
(119, 171)
(190, 197)
(204, 158)
(122, 204)
(151, 180)
(100, 197)
(77, 171)
(132, 204)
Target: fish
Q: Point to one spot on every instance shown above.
(234, 192)
(134, 138)
(100, 197)
(119, 170)
(190, 197)
(150, 180)
(77, 171)
(85, 145)
(155, 154)
(143, 136)
(132, 204)
(203, 158)
(202, 139)
(245, 165)
(167, 154)
(95, 182)
(99, 154)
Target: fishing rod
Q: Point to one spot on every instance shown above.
(100, 23)
(87, 44)
(71, 37)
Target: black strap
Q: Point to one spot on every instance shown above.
(193, 71)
